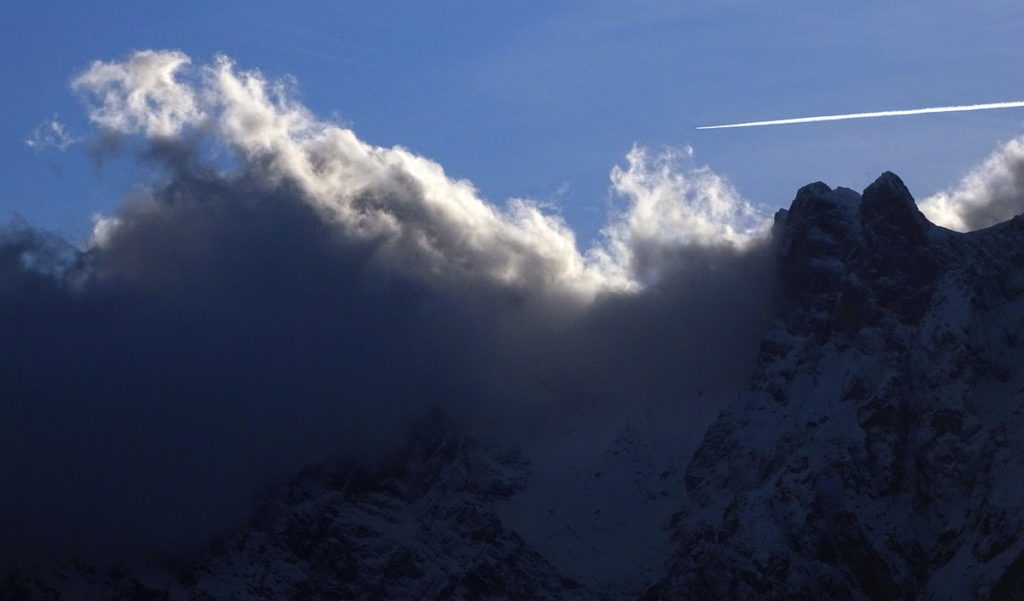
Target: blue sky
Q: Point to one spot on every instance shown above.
(541, 100)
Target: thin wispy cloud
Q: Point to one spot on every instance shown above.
(51, 133)
(871, 115)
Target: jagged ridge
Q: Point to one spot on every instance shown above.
(875, 456)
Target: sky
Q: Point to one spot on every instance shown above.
(250, 238)
(540, 100)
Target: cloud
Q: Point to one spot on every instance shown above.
(142, 94)
(990, 193)
(51, 134)
(427, 221)
(407, 202)
(301, 294)
(674, 204)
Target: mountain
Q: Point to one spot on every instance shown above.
(448, 518)
(421, 527)
(878, 453)
(875, 455)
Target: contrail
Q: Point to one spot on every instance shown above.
(934, 109)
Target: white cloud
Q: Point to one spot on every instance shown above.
(103, 229)
(990, 193)
(423, 219)
(51, 134)
(141, 94)
(672, 204)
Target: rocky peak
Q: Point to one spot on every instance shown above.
(845, 258)
(826, 222)
(888, 213)
(814, 238)
(872, 457)
(816, 209)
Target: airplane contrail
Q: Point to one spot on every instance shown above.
(934, 109)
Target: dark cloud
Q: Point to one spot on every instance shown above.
(228, 326)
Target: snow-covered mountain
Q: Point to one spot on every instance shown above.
(876, 455)
(449, 518)
(420, 527)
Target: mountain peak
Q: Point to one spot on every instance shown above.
(843, 256)
(888, 212)
(885, 212)
(873, 456)
(818, 196)
(888, 178)
(813, 190)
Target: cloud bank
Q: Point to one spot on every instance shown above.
(406, 203)
(283, 292)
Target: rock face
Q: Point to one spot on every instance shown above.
(878, 452)
(422, 530)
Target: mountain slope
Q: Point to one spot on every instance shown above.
(421, 528)
(877, 454)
